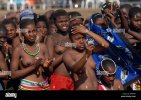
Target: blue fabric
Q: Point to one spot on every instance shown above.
(118, 51)
(27, 14)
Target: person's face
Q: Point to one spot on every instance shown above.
(109, 78)
(11, 31)
(62, 23)
(52, 29)
(136, 21)
(125, 12)
(118, 22)
(76, 21)
(2, 41)
(41, 28)
(30, 33)
(79, 41)
(101, 22)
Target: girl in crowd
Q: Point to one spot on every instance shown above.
(29, 59)
(41, 29)
(133, 27)
(3, 65)
(107, 72)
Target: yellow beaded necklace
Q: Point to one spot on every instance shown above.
(29, 52)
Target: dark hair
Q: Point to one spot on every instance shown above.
(3, 31)
(50, 22)
(96, 16)
(41, 18)
(59, 12)
(25, 22)
(126, 6)
(105, 64)
(73, 14)
(9, 21)
(133, 11)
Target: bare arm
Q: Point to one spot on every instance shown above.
(15, 64)
(102, 43)
(57, 60)
(16, 42)
(3, 66)
(72, 65)
(50, 46)
(135, 34)
(118, 85)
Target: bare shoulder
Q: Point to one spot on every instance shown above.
(51, 37)
(42, 45)
(18, 47)
(17, 38)
(117, 82)
(67, 53)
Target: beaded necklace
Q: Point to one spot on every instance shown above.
(29, 52)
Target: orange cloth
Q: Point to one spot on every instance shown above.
(59, 82)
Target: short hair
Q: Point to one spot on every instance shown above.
(59, 12)
(106, 63)
(96, 16)
(8, 21)
(75, 14)
(41, 18)
(25, 22)
(133, 11)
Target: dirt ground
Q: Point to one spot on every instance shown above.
(86, 13)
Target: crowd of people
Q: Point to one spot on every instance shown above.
(61, 50)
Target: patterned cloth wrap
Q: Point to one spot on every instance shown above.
(30, 85)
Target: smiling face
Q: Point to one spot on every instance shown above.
(62, 23)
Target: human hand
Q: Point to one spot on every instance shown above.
(89, 49)
(47, 62)
(79, 29)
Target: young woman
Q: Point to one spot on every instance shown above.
(78, 59)
(30, 59)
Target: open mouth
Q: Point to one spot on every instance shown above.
(64, 28)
